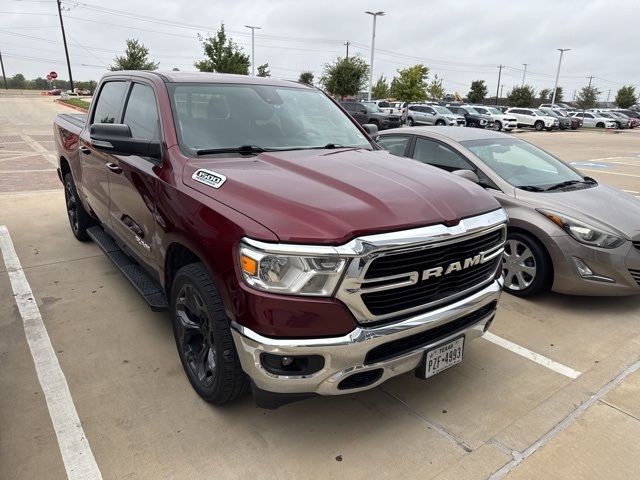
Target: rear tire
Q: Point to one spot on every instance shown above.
(79, 218)
(539, 125)
(526, 265)
(203, 337)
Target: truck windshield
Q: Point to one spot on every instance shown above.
(227, 116)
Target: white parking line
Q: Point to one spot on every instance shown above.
(533, 356)
(76, 453)
(609, 173)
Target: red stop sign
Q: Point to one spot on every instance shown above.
(49, 77)
(53, 75)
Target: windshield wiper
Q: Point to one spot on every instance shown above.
(568, 183)
(243, 149)
(530, 188)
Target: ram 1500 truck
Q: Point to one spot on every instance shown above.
(295, 256)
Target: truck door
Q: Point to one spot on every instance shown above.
(94, 185)
(133, 179)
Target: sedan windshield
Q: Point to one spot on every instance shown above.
(471, 110)
(521, 164)
(494, 111)
(212, 116)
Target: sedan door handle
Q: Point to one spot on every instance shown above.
(85, 150)
(114, 168)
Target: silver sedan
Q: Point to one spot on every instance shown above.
(566, 231)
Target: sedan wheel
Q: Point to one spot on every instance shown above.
(497, 126)
(410, 122)
(526, 267)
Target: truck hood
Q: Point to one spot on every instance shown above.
(332, 196)
(601, 206)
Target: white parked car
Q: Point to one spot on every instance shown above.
(501, 121)
(394, 108)
(534, 118)
(594, 119)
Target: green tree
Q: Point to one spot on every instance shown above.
(478, 91)
(435, 90)
(381, 89)
(545, 95)
(347, 76)
(559, 94)
(17, 81)
(411, 84)
(40, 83)
(587, 97)
(263, 70)
(136, 57)
(626, 96)
(223, 55)
(521, 96)
(306, 78)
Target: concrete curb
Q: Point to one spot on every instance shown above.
(79, 109)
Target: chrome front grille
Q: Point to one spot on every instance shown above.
(392, 281)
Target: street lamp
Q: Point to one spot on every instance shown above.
(253, 48)
(555, 87)
(373, 44)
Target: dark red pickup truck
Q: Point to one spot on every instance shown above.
(294, 255)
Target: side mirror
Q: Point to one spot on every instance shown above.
(116, 138)
(371, 129)
(468, 174)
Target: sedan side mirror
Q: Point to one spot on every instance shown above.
(371, 129)
(116, 138)
(468, 174)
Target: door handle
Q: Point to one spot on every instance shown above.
(85, 150)
(114, 168)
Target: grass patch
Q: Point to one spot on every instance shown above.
(76, 102)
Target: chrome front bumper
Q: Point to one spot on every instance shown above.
(345, 355)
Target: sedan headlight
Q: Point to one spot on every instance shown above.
(292, 274)
(583, 232)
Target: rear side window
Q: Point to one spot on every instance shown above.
(436, 154)
(396, 144)
(141, 113)
(109, 103)
(383, 104)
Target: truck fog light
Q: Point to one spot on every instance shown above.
(286, 361)
(291, 365)
(585, 272)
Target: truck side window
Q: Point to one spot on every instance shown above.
(141, 113)
(109, 103)
(438, 155)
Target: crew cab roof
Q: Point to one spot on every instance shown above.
(207, 77)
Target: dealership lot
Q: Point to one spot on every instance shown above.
(552, 393)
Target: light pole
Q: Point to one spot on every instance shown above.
(253, 48)
(375, 15)
(524, 73)
(555, 87)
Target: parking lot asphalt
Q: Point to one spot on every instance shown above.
(553, 393)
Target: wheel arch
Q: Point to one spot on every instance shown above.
(177, 256)
(536, 238)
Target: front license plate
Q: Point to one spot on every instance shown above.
(440, 358)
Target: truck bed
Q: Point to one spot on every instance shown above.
(74, 122)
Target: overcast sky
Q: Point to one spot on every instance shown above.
(459, 40)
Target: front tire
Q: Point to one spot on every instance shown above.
(410, 122)
(526, 265)
(539, 125)
(79, 218)
(599, 125)
(203, 337)
(471, 124)
(440, 123)
(497, 126)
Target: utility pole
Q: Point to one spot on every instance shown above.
(375, 15)
(555, 87)
(524, 73)
(253, 48)
(64, 40)
(499, 78)
(347, 43)
(501, 88)
(574, 96)
(608, 95)
(589, 88)
(4, 77)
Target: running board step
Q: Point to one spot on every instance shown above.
(150, 290)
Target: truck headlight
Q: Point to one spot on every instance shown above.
(583, 232)
(292, 274)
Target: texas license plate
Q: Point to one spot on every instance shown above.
(440, 358)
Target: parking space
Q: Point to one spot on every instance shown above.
(498, 414)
